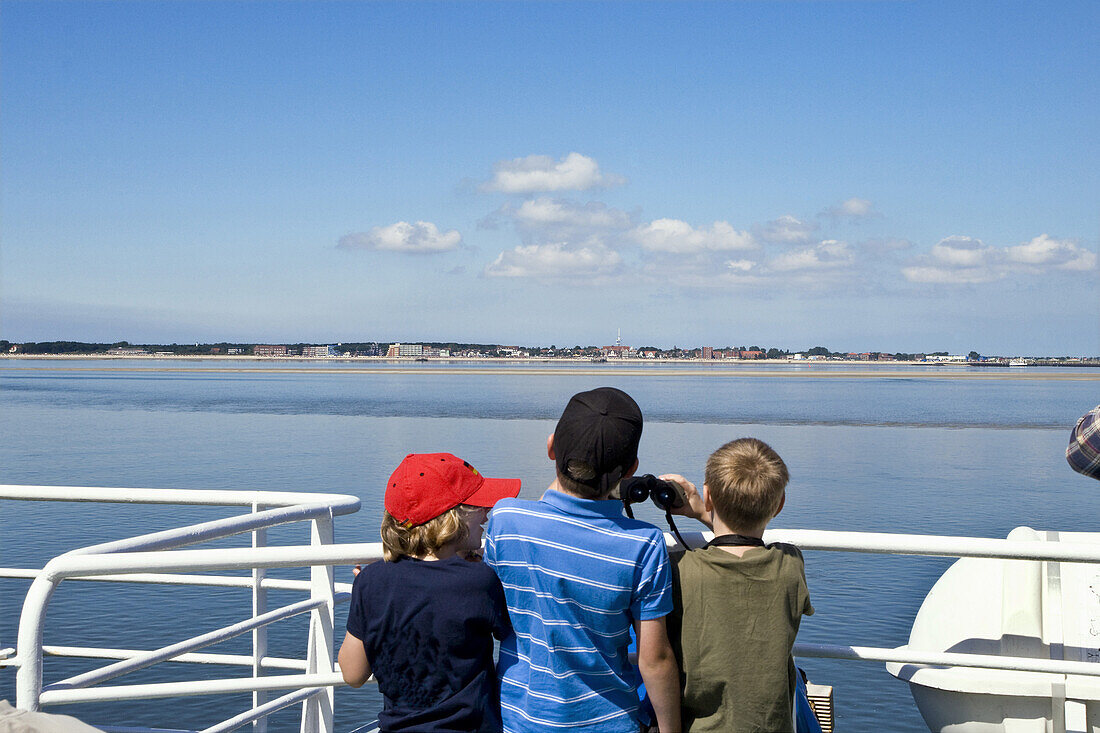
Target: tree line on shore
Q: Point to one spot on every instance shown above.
(373, 348)
(379, 349)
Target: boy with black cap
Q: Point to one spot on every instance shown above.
(577, 574)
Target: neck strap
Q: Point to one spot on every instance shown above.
(735, 540)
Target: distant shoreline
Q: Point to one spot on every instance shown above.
(506, 360)
(501, 360)
(546, 367)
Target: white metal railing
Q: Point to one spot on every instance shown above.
(267, 509)
(935, 546)
(146, 559)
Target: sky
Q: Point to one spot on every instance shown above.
(884, 176)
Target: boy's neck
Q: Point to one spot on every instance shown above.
(721, 528)
(556, 486)
(449, 550)
(442, 553)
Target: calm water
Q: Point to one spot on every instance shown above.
(906, 454)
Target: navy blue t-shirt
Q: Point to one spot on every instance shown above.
(428, 628)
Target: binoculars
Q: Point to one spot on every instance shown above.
(665, 494)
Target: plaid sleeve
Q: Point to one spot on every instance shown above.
(1083, 451)
(653, 585)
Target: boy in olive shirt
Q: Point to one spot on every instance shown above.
(737, 602)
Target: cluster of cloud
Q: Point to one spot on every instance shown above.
(420, 237)
(959, 260)
(787, 229)
(679, 237)
(852, 209)
(562, 238)
(542, 174)
(556, 260)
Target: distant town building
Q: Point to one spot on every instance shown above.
(751, 354)
(268, 350)
(708, 352)
(318, 352)
(234, 351)
(126, 351)
(397, 350)
(371, 349)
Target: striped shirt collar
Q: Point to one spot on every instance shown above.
(607, 508)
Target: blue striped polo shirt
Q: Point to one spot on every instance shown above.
(576, 574)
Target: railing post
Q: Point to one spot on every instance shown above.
(259, 636)
(28, 680)
(317, 713)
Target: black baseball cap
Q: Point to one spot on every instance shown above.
(602, 428)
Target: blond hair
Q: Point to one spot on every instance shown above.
(746, 480)
(424, 539)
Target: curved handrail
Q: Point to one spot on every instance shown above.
(287, 507)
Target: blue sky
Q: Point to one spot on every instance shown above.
(908, 176)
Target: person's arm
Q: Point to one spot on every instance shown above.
(353, 661)
(694, 507)
(657, 663)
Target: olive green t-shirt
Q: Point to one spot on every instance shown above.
(732, 627)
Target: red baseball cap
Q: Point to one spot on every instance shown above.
(426, 485)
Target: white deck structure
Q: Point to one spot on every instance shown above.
(156, 558)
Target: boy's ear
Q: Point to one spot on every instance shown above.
(708, 507)
(633, 468)
(782, 502)
(550, 447)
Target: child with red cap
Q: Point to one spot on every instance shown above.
(423, 622)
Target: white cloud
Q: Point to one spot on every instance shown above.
(826, 255)
(1047, 251)
(420, 237)
(956, 251)
(740, 265)
(555, 260)
(541, 173)
(673, 235)
(787, 229)
(960, 259)
(853, 208)
(944, 275)
(957, 260)
(544, 211)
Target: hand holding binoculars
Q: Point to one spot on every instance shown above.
(665, 494)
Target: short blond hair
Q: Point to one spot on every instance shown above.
(746, 480)
(425, 539)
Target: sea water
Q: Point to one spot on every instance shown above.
(913, 450)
